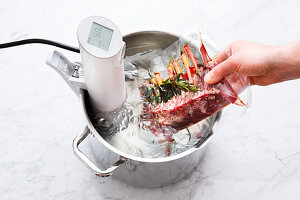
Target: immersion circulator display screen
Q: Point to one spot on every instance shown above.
(100, 36)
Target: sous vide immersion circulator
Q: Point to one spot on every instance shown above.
(102, 57)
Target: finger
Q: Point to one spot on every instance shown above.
(252, 82)
(219, 71)
(223, 55)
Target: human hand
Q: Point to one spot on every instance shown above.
(262, 64)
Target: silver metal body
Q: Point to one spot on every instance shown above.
(143, 172)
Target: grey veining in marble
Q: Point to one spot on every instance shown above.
(255, 157)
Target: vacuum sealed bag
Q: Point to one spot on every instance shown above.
(178, 97)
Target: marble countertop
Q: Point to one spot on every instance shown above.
(254, 157)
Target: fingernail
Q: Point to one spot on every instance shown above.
(207, 78)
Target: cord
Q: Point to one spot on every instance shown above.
(41, 41)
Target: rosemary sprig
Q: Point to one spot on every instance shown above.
(167, 89)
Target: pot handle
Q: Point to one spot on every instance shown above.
(83, 158)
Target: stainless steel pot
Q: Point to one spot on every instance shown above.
(143, 172)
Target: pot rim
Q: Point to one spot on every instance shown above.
(82, 93)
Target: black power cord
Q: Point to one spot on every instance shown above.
(41, 41)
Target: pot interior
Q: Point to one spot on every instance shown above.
(136, 43)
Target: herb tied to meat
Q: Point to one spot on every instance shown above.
(156, 94)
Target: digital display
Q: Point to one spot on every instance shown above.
(100, 36)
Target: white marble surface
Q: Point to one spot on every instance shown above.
(256, 157)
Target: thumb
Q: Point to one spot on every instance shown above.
(219, 71)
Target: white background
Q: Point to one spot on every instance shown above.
(256, 157)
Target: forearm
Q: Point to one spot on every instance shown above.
(287, 61)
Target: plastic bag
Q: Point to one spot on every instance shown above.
(177, 95)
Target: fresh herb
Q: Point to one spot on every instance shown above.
(159, 90)
(169, 88)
